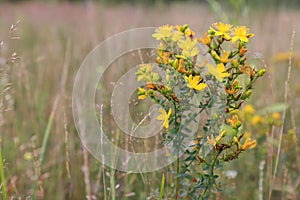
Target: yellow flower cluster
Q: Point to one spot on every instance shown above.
(178, 53)
(227, 32)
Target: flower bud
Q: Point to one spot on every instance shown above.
(261, 72)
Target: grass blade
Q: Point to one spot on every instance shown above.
(3, 181)
(162, 187)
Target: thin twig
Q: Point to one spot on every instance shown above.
(86, 174)
(286, 91)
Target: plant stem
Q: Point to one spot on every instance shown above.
(177, 179)
(3, 181)
(177, 161)
(208, 183)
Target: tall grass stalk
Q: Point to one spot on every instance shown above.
(286, 92)
(52, 115)
(3, 181)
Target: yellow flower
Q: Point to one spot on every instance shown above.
(249, 109)
(241, 33)
(163, 57)
(214, 141)
(233, 88)
(249, 144)
(257, 120)
(142, 93)
(189, 48)
(163, 32)
(221, 29)
(193, 82)
(276, 115)
(224, 57)
(220, 136)
(186, 30)
(177, 36)
(164, 116)
(211, 140)
(234, 121)
(189, 32)
(206, 39)
(219, 73)
(246, 69)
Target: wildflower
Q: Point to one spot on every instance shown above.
(220, 136)
(180, 67)
(211, 140)
(189, 32)
(248, 144)
(206, 39)
(188, 47)
(186, 30)
(163, 32)
(164, 116)
(177, 36)
(257, 120)
(163, 57)
(233, 89)
(193, 82)
(276, 115)
(241, 33)
(142, 93)
(214, 141)
(221, 29)
(224, 57)
(249, 109)
(234, 121)
(247, 70)
(219, 73)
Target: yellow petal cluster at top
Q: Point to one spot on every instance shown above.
(241, 33)
(228, 32)
(163, 32)
(221, 29)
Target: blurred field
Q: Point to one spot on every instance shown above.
(56, 36)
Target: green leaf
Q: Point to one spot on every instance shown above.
(162, 187)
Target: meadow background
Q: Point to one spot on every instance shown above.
(37, 133)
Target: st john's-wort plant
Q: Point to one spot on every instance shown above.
(221, 79)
